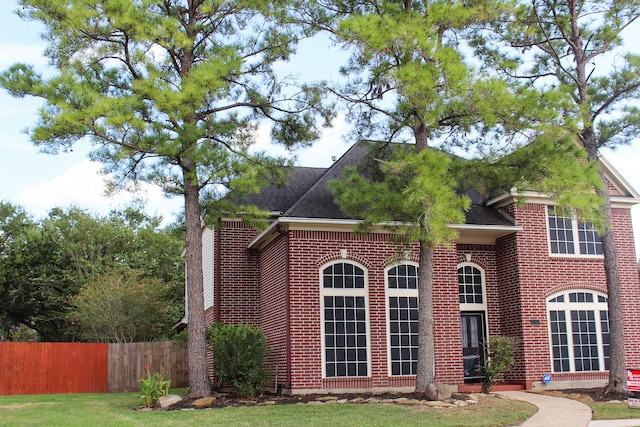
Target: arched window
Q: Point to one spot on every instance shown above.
(402, 318)
(344, 320)
(579, 331)
(471, 287)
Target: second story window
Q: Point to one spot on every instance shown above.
(568, 236)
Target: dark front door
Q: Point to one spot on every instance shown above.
(472, 344)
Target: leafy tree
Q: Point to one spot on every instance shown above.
(45, 263)
(171, 92)
(408, 79)
(123, 306)
(576, 48)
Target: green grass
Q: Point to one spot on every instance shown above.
(115, 409)
(612, 411)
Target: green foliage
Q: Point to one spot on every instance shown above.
(44, 264)
(412, 193)
(498, 360)
(575, 42)
(239, 353)
(123, 306)
(20, 333)
(153, 387)
(172, 93)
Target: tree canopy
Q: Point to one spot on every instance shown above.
(576, 49)
(45, 264)
(410, 79)
(172, 92)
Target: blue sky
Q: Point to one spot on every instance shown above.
(39, 182)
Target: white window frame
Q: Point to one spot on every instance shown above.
(596, 307)
(347, 292)
(396, 293)
(575, 223)
(474, 306)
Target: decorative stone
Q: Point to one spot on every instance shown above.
(327, 398)
(168, 400)
(437, 404)
(267, 403)
(411, 402)
(439, 391)
(203, 401)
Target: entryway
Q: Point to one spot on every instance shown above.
(473, 336)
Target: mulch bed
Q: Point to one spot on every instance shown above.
(586, 394)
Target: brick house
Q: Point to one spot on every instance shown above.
(339, 308)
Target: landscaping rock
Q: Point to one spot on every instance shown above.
(168, 400)
(438, 404)
(203, 402)
(439, 391)
(327, 398)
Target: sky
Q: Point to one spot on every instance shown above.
(39, 182)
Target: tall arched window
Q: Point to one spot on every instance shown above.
(579, 331)
(402, 318)
(344, 320)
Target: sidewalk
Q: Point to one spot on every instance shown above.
(561, 412)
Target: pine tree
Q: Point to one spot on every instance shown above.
(171, 92)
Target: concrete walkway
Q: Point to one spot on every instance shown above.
(562, 412)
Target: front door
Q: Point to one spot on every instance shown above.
(473, 337)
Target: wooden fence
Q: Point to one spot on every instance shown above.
(49, 368)
(128, 363)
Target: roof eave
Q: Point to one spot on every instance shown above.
(469, 233)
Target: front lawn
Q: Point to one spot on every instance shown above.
(612, 410)
(115, 409)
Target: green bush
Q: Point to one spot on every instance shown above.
(239, 352)
(499, 351)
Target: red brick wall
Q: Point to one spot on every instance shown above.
(309, 251)
(518, 282)
(274, 307)
(629, 282)
(509, 303)
(238, 277)
(541, 275)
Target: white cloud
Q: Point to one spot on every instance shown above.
(331, 143)
(83, 185)
(19, 52)
(625, 160)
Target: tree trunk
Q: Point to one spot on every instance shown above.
(425, 375)
(617, 369)
(196, 345)
(617, 357)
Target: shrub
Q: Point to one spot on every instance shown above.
(239, 352)
(499, 351)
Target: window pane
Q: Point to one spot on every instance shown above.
(344, 321)
(403, 320)
(470, 285)
(560, 231)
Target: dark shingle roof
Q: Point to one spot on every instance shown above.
(318, 201)
(307, 193)
(279, 198)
